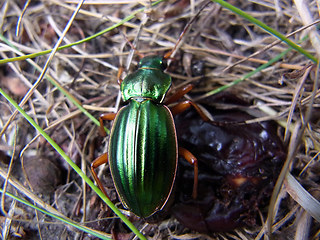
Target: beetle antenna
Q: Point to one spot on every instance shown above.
(133, 47)
(169, 54)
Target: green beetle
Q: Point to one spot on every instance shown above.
(143, 149)
(143, 143)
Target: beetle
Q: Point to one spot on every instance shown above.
(143, 148)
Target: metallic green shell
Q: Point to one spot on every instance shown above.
(149, 81)
(143, 156)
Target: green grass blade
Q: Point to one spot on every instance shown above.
(61, 88)
(73, 165)
(33, 55)
(266, 28)
(71, 223)
(246, 76)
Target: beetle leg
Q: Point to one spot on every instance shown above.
(96, 163)
(181, 107)
(179, 94)
(103, 117)
(119, 79)
(193, 161)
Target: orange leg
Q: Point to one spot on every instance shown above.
(181, 107)
(192, 160)
(103, 117)
(179, 94)
(96, 163)
(104, 157)
(119, 79)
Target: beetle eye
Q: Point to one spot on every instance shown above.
(164, 64)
